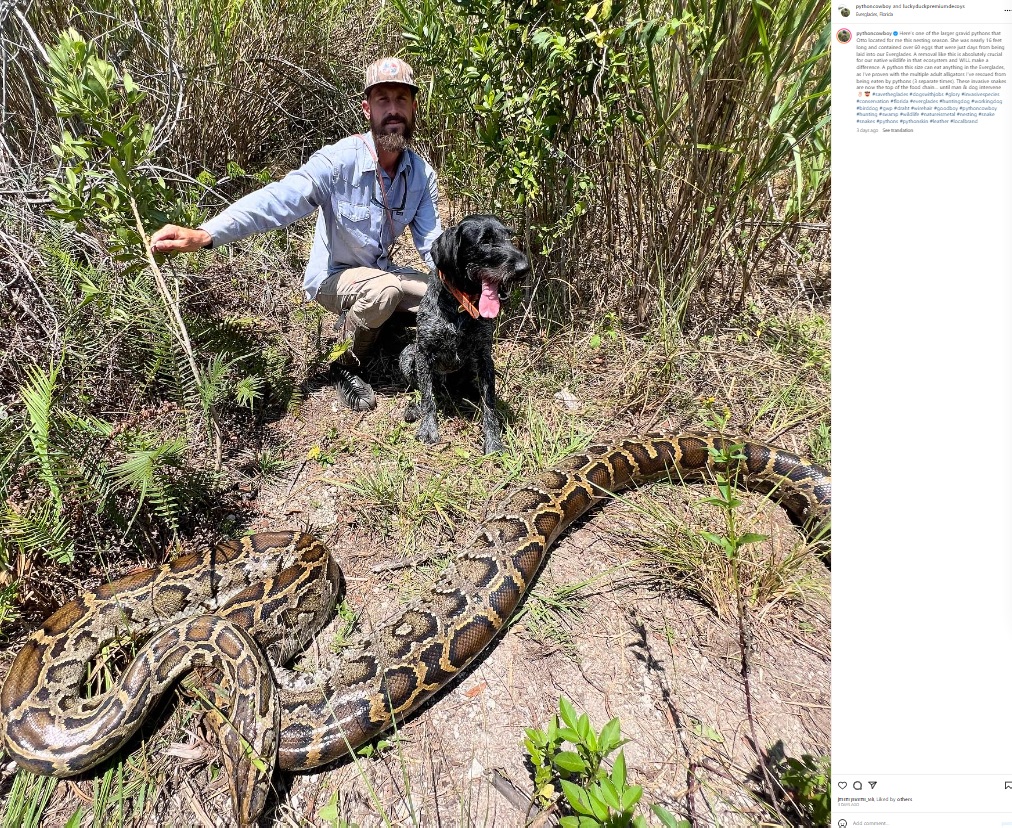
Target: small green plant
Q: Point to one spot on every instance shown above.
(609, 330)
(331, 813)
(593, 795)
(102, 176)
(371, 749)
(726, 459)
(270, 464)
(806, 781)
(130, 477)
(607, 802)
(348, 619)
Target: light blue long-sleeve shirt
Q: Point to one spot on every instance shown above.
(351, 228)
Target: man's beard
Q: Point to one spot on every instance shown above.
(393, 141)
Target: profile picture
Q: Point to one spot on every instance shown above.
(844, 35)
(844, 11)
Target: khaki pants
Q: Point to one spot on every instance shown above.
(369, 296)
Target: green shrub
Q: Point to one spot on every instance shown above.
(807, 781)
(647, 151)
(532, 84)
(593, 795)
(105, 173)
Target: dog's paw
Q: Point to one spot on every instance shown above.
(428, 432)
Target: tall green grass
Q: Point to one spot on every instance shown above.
(733, 141)
(651, 153)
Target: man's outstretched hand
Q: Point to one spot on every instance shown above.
(173, 239)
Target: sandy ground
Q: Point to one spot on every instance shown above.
(632, 647)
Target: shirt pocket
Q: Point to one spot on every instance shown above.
(355, 223)
(355, 213)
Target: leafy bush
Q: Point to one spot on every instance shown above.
(532, 84)
(105, 174)
(807, 780)
(647, 151)
(594, 796)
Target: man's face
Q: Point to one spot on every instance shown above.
(391, 108)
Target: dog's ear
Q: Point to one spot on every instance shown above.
(507, 231)
(444, 249)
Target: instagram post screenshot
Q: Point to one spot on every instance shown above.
(922, 259)
(425, 413)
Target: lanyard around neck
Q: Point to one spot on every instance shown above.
(383, 192)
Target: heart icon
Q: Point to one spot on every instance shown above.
(842, 784)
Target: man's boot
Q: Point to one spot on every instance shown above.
(352, 390)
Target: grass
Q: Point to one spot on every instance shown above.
(270, 464)
(789, 404)
(397, 491)
(551, 611)
(29, 796)
(125, 792)
(666, 533)
(545, 438)
(821, 442)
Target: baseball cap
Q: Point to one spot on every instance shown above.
(389, 70)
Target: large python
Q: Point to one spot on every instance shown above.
(248, 602)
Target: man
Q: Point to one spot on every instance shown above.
(367, 188)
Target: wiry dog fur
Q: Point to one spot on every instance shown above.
(477, 257)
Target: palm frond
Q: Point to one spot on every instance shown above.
(42, 527)
(37, 394)
(143, 474)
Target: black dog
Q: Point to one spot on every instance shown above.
(476, 264)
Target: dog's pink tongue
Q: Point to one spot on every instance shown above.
(488, 304)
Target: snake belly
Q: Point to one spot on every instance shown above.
(280, 587)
